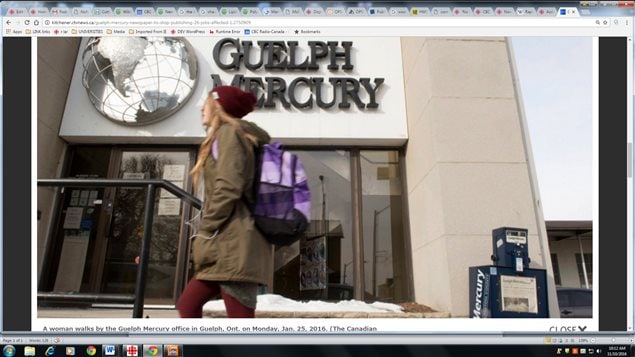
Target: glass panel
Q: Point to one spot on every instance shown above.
(74, 250)
(588, 263)
(563, 298)
(556, 268)
(582, 298)
(384, 253)
(320, 266)
(124, 243)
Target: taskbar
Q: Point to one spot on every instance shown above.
(349, 350)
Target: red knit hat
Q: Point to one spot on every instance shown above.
(235, 101)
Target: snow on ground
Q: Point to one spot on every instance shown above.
(271, 302)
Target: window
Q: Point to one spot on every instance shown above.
(588, 264)
(556, 268)
(384, 253)
(322, 265)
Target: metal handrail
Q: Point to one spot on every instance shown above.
(152, 185)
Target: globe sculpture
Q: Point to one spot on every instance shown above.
(139, 80)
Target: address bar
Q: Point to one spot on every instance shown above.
(327, 22)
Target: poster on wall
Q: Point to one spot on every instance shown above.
(313, 264)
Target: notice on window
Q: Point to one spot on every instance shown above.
(83, 198)
(134, 175)
(166, 194)
(169, 207)
(174, 172)
(519, 294)
(73, 219)
(72, 261)
(74, 198)
(92, 197)
(313, 264)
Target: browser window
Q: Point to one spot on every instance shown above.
(466, 168)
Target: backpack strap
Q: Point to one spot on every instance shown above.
(255, 182)
(214, 149)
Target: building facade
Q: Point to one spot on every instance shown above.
(415, 149)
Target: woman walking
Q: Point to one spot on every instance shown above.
(230, 255)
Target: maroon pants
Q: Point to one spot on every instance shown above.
(198, 292)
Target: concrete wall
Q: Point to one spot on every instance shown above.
(55, 63)
(566, 250)
(467, 163)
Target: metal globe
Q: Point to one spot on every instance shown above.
(139, 80)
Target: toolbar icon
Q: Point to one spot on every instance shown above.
(29, 351)
(8, 351)
(50, 351)
(131, 350)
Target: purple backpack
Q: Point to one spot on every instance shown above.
(282, 199)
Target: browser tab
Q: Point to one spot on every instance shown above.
(166, 11)
(335, 11)
(81, 11)
(124, 11)
(399, 11)
(547, 11)
(378, 11)
(462, 11)
(18, 11)
(144, 11)
(103, 11)
(187, 11)
(60, 11)
(420, 11)
(208, 11)
(505, 11)
(484, 11)
(314, 11)
(356, 11)
(272, 11)
(229, 11)
(293, 11)
(39, 11)
(526, 11)
(441, 11)
(251, 11)
(568, 12)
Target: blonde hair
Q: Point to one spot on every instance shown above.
(219, 117)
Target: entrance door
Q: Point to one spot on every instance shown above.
(126, 226)
(74, 254)
(100, 230)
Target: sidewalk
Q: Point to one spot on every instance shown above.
(269, 306)
(167, 313)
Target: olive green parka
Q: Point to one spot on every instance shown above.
(228, 247)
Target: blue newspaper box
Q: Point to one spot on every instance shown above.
(504, 292)
(509, 247)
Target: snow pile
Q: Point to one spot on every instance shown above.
(271, 302)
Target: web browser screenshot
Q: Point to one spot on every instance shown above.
(327, 172)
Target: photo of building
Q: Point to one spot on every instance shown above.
(415, 149)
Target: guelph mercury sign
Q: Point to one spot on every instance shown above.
(308, 89)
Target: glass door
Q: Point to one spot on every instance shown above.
(74, 258)
(126, 227)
